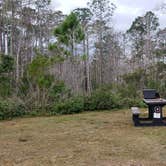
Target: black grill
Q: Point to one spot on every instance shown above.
(149, 93)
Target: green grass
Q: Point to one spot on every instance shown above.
(87, 139)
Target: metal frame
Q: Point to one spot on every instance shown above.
(155, 114)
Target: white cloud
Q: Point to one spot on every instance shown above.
(126, 12)
(66, 6)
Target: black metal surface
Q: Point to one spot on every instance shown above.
(149, 93)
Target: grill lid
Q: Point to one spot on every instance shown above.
(149, 93)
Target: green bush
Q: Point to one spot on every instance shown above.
(89, 103)
(70, 106)
(99, 100)
(6, 63)
(6, 67)
(59, 91)
(10, 109)
(131, 102)
(102, 100)
(5, 86)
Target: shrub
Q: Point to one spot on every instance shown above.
(130, 102)
(10, 109)
(6, 63)
(5, 86)
(102, 100)
(59, 91)
(6, 67)
(70, 106)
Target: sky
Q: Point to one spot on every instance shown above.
(126, 12)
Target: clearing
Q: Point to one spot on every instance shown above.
(87, 139)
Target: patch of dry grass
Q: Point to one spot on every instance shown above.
(88, 139)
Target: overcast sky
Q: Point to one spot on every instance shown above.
(126, 12)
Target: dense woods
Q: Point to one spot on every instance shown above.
(52, 63)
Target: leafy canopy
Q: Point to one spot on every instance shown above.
(69, 30)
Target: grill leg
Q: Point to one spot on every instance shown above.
(136, 119)
(151, 110)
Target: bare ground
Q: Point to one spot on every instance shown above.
(87, 139)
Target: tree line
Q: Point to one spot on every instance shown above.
(48, 58)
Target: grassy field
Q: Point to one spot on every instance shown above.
(87, 139)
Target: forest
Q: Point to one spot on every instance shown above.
(52, 63)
